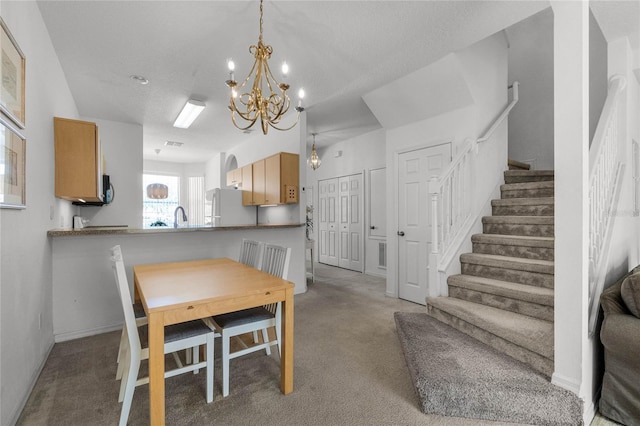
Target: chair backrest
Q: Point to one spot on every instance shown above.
(275, 260)
(125, 297)
(250, 253)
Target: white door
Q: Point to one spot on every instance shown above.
(378, 203)
(351, 223)
(415, 168)
(327, 221)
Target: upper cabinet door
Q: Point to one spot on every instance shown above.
(77, 160)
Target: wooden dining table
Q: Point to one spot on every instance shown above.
(176, 292)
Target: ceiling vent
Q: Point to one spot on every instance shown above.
(174, 143)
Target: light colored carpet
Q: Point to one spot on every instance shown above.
(457, 375)
(349, 370)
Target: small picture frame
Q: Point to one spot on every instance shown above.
(12, 75)
(13, 151)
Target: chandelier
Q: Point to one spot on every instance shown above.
(314, 161)
(262, 99)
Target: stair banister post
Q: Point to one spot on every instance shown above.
(434, 286)
(434, 191)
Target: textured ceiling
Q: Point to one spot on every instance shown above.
(337, 50)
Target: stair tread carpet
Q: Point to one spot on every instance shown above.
(533, 334)
(456, 375)
(528, 173)
(527, 185)
(513, 240)
(527, 293)
(529, 201)
(507, 262)
(519, 220)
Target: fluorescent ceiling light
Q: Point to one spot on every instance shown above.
(189, 113)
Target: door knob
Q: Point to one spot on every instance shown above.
(372, 227)
(401, 233)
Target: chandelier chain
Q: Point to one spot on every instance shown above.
(260, 38)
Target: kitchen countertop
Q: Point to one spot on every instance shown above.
(120, 230)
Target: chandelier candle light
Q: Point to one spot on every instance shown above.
(263, 101)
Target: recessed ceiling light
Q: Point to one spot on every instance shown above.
(140, 79)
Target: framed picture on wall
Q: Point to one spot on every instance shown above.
(12, 72)
(13, 151)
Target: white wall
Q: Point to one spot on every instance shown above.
(359, 154)
(121, 145)
(531, 64)
(26, 322)
(484, 69)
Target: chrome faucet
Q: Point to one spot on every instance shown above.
(175, 216)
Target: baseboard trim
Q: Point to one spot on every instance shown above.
(64, 337)
(34, 379)
(589, 413)
(566, 383)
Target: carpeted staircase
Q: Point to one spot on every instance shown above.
(503, 300)
(504, 295)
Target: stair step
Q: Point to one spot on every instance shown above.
(526, 339)
(541, 248)
(517, 165)
(523, 207)
(527, 190)
(533, 272)
(541, 226)
(528, 300)
(518, 176)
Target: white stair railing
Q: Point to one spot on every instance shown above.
(452, 200)
(604, 175)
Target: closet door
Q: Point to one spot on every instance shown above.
(327, 221)
(351, 226)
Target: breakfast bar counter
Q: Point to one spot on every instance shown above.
(85, 297)
(124, 230)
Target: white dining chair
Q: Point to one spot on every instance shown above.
(176, 337)
(250, 252)
(141, 319)
(275, 261)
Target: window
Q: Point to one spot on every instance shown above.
(196, 200)
(160, 211)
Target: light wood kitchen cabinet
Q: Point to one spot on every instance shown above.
(259, 183)
(272, 180)
(281, 178)
(234, 177)
(78, 175)
(247, 185)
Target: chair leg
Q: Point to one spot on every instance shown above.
(124, 362)
(255, 336)
(121, 350)
(132, 377)
(225, 364)
(209, 355)
(265, 339)
(196, 356)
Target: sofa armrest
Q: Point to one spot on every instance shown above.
(611, 300)
(619, 335)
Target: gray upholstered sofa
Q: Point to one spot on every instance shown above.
(620, 335)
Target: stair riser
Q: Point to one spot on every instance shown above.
(501, 302)
(534, 360)
(511, 275)
(527, 193)
(534, 230)
(529, 178)
(536, 253)
(531, 210)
